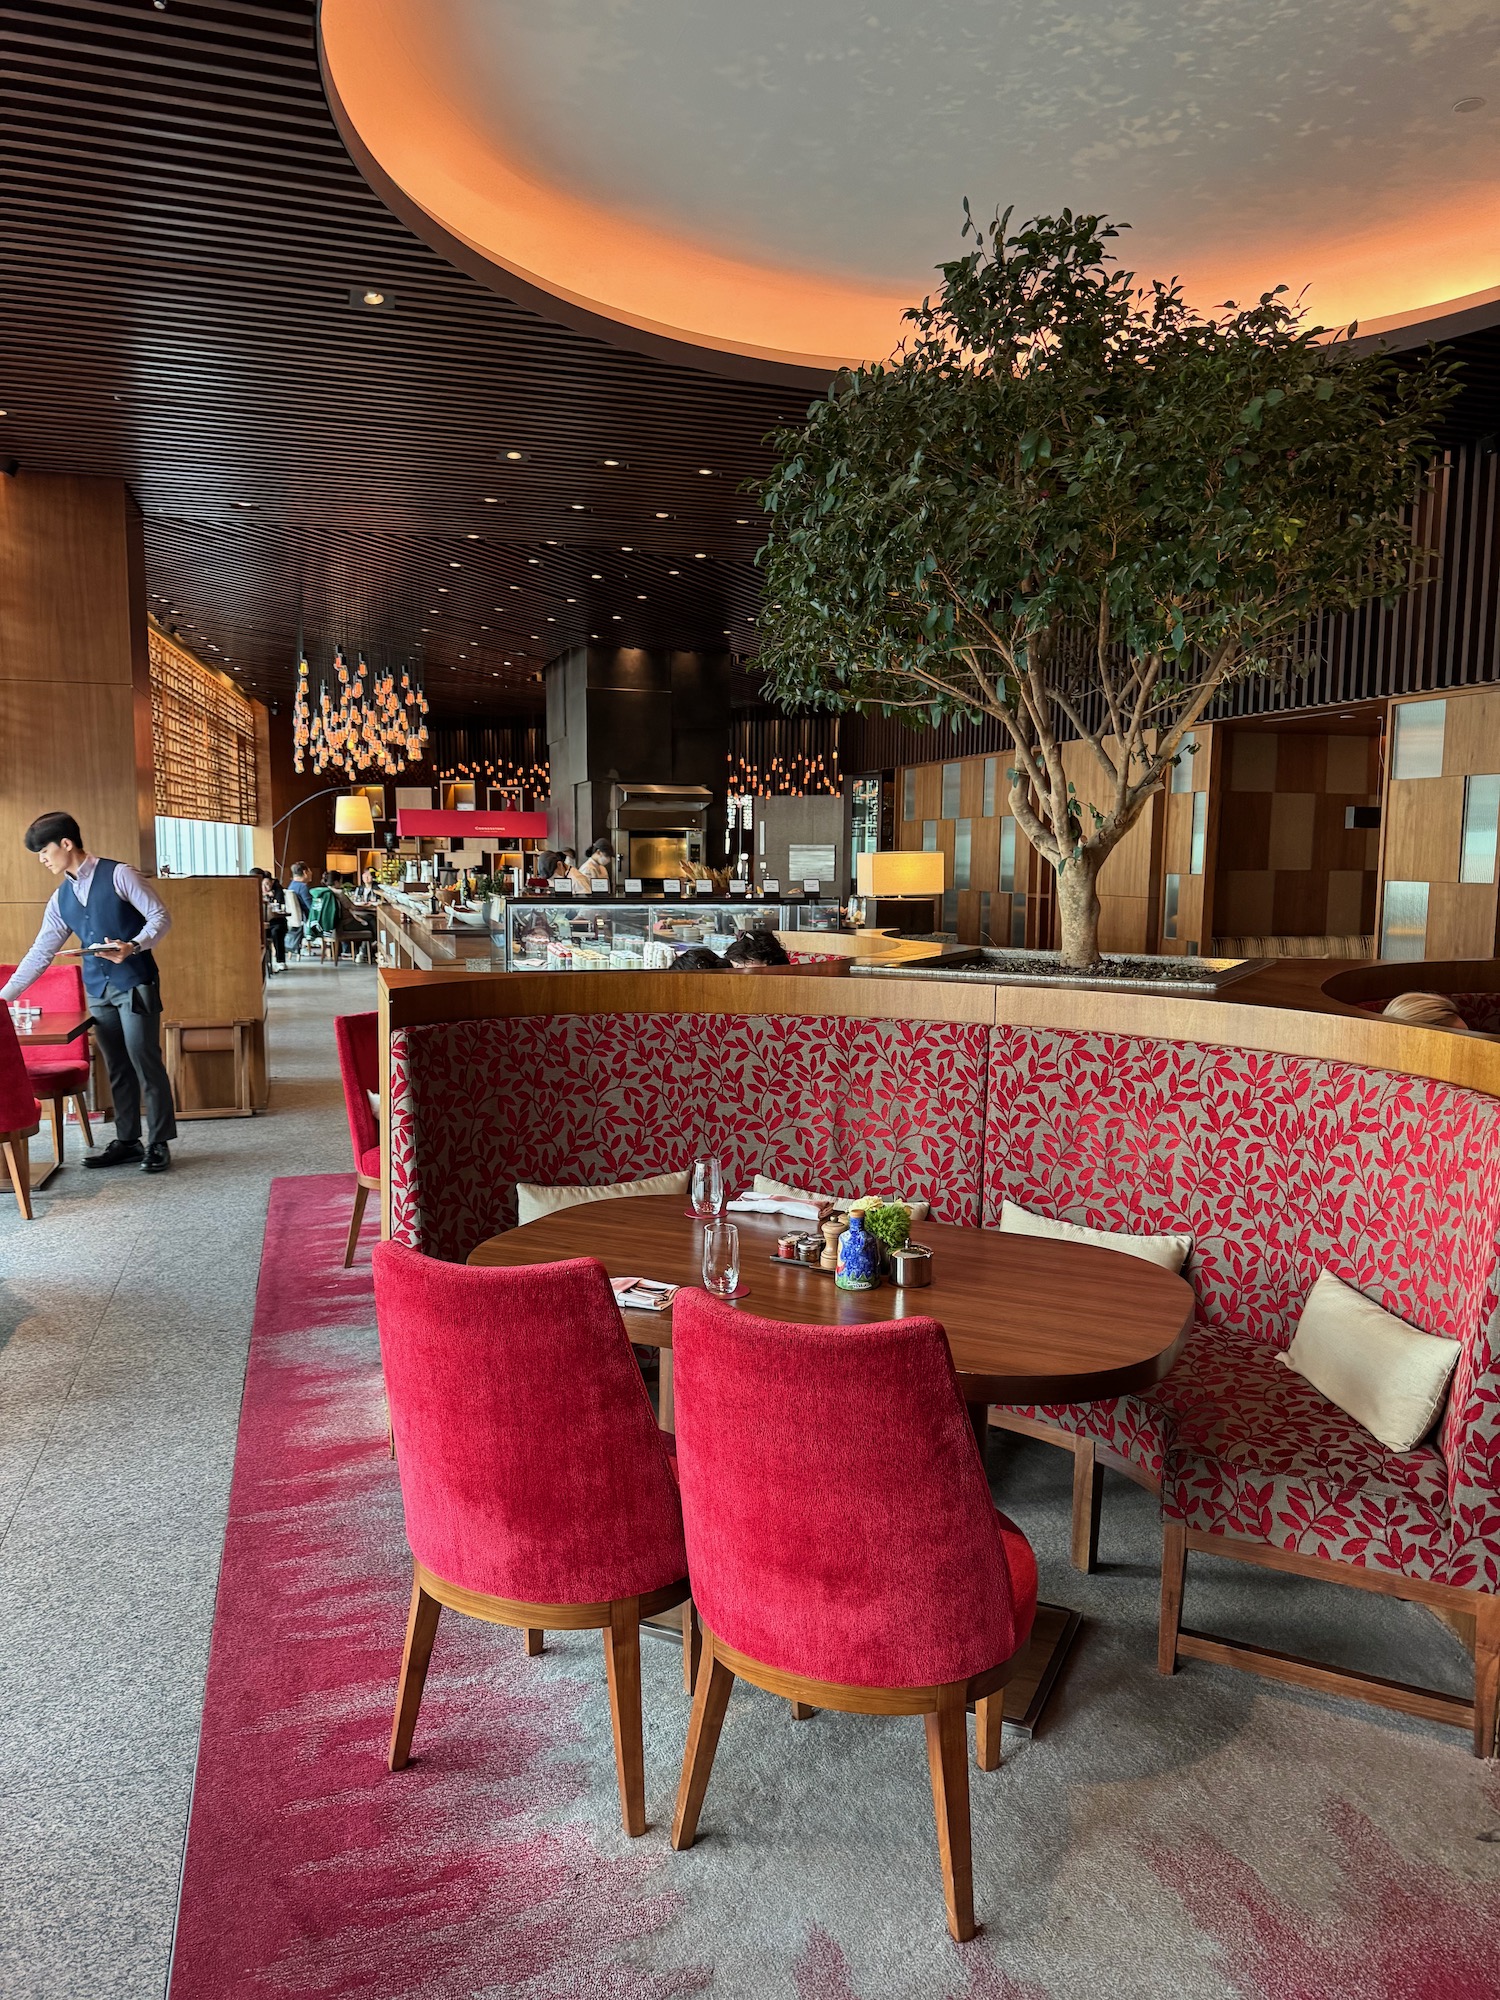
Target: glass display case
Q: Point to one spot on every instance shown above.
(636, 933)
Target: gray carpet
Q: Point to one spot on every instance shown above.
(124, 1317)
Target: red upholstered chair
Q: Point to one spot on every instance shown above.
(58, 1074)
(18, 1113)
(537, 1486)
(844, 1549)
(359, 1065)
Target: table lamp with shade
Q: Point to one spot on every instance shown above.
(902, 890)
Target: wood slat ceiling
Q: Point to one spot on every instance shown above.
(180, 232)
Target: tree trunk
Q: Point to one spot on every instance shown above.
(1078, 911)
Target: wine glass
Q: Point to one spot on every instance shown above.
(707, 1192)
(721, 1259)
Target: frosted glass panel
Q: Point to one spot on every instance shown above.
(991, 783)
(1403, 920)
(1200, 833)
(1419, 739)
(1007, 853)
(963, 845)
(1182, 770)
(1018, 922)
(908, 794)
(1481, 816)
(929, 836)
(1169, 912)
(950, 791)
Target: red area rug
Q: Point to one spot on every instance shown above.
(1204, 1838)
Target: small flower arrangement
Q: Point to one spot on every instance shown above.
(889, 1222)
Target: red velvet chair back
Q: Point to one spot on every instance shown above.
(839, 1522)
(59, 989)
(18, 1105)
(357, 1039)
(531, 1464)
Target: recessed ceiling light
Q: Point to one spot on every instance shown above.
(550, 543)
(536, 635)
(492, 500)
(640, 597)
(484, 628)
(700, 555)
(674, 572)
(454, 565)
(742, 524)
(596, 576)
(611, 461)
(616, 617)
(663, 517)
(238, 503)
(536, 563)
(370, 297)
(572, 600)
(1469, 104)
(434, 611)
(627, 548)
(468, 538)
(576, 507)
(513, 456)
(442, 590)
(706, 471)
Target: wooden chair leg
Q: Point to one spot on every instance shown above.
(1486, 1675)
(948, 1765)
(1173, 1578)
(622, 1661)
(361, 1196)
(802, 1711)
(55, 1106)
(536, 1641)
(83, 1119)
(692, 1645)
(421, 1630)
(989, 1714)
(710, 1700)
(1088, 1491)
(18, 1160)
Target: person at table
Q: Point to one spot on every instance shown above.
(117, 918)
(273, 912)
(298, 904)
(753, 951)
(698, 958)
(367, 895)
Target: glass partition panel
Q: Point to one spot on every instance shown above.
(1169, 907)
(1018, 922)
(963, 847)
(1418, 749)
(908, 793)
(1481, 816)
(1403, 920)
(991, 779)
(1182, 770)
(951, 776)
(1200, 833)
(929, 836)
(1007, 854)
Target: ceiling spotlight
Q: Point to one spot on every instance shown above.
(577, 507)
(536, 563)
(1469, 104)
(572, 600)
(371, 298)
(626, 549)
(453, 565)
(640, 597)
(706, 471)
(442, 590)
(514, 456)
(700, 555)
(742, 524)
(468, 538)
(596, 576)
(663, 517)
(238, 503)
(611, 461)
(674, 572)
(491, 500)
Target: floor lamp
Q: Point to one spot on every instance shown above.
(351, 815)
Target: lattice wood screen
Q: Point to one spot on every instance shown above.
(205, 741)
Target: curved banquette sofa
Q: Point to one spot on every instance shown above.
(1286, 1142)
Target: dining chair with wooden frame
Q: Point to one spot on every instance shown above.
(59, 1075)
(20, 1116)
(537, 1488)
(844, 1548)
(356, 1037)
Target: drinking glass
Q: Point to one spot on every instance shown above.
(721, 1259)
(707, 1192)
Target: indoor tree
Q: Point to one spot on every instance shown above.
(1074, 503)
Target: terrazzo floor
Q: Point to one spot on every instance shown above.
(124, 1319)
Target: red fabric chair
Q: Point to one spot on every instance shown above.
(18, 1113)
(843, 1545)
(537, 1486)
(58, 1074)
(358, 1041)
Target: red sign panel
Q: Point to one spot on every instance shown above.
(412, 822)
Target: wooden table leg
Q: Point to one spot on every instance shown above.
(1052, 1634)
(979, 1417)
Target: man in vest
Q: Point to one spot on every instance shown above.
(117, 918)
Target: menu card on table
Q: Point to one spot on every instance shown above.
(643, 1295)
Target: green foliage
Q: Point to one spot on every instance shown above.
(1072, 502)
(889, 1222)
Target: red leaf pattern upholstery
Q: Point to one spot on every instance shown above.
(587, 1098)
(1279, 1166)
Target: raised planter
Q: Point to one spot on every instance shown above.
(1116, 972)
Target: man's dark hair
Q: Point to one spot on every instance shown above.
(52, 826)
(698, 958)
(602, 846)
(757, 948)
(299, 871)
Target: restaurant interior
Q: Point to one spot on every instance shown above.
(488, 1519)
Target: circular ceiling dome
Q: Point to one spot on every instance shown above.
(766, 188)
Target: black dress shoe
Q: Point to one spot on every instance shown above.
(158, 1159)
(118, 1153)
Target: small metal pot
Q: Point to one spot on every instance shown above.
(911, 1266)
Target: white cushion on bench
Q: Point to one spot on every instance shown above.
(1169, 1251)
(533, 1202)
(1387, 1375)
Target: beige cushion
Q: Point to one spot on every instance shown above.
(764, 1185)
(533, 1202)
(1387, 1375)
(1169, 1251)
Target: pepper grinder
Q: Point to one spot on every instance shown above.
(832, 1231)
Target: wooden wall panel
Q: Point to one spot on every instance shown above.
(1423, 829)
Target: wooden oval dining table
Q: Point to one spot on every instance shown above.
(1029, 1319)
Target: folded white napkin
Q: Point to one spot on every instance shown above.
(764, 1185)
(805, 1208)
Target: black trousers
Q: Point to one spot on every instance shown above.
(127, 1023)
(276, 935)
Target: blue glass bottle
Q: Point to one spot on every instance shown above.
(858, 1268)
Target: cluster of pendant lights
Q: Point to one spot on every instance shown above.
(373, 723)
